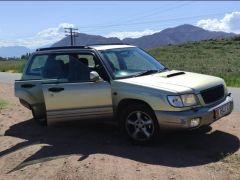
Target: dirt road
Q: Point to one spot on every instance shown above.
(9, 78)
(95, 150)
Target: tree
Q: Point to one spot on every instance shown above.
(26, 56)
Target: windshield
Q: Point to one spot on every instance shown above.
(130, 62)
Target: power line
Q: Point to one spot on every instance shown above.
(144, 15)
(153, 13)
(136, 17)
(147, 22)
(72, 32)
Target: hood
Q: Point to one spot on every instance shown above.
(176, 81)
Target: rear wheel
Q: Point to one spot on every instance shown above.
(139, 123)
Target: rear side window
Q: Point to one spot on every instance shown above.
(73, 67)
(36, 65)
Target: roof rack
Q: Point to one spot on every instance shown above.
(63, 47)
(78, 47)
(100, 44)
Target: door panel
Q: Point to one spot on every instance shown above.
(77, 100)
(31, 90)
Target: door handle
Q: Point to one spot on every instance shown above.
(56, 89)
(27, 85)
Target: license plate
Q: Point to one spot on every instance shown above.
(222, 110)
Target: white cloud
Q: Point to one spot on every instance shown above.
(131, 34)
(44, 37)
(229, 23)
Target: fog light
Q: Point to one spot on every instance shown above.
(194, 122)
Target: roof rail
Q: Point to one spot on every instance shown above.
(62, 47)
(100, 44)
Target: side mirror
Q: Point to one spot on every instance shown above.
(94, 76)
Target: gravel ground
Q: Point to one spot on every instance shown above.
(94, 150)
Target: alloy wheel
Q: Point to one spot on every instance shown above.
(139, 125)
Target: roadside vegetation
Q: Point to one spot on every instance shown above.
(3, 104)
(214, 57)
(15, 66)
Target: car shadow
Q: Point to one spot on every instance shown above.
(175, 149)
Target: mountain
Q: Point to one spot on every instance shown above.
(177, 35)
(84, 39)
(14, 51)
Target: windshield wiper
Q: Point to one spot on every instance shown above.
(146, 72)
(164, 69)
(150, 72)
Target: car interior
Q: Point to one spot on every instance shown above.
(73, 67)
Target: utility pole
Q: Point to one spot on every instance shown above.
(75, 34)
(72, 32)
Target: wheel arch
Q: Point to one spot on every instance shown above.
(126, 102)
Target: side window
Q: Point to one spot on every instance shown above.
(36, 65)
(54, 68)
(87, 59)
(78, 69)
(66, 67)
(72, 67)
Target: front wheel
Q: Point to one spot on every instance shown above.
(139, 123)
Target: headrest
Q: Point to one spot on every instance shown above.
(84, 61)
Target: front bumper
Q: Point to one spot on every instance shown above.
(181, 119)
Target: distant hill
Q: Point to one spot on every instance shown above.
(84, 39)
(177, 35)
(14, 51)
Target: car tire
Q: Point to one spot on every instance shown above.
(41, 120)
(139, 123)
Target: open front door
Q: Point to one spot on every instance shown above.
(82, 100)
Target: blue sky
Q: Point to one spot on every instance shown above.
(37, 23)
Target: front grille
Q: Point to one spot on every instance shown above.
(213, 94)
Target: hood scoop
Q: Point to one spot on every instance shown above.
(175, 74)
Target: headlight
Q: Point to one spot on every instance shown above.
(183, 100)
(175, 101)
(189, 99)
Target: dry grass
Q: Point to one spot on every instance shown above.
(3, 104)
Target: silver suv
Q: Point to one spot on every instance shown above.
(121, 81)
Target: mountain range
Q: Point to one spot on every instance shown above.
(177, 35)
